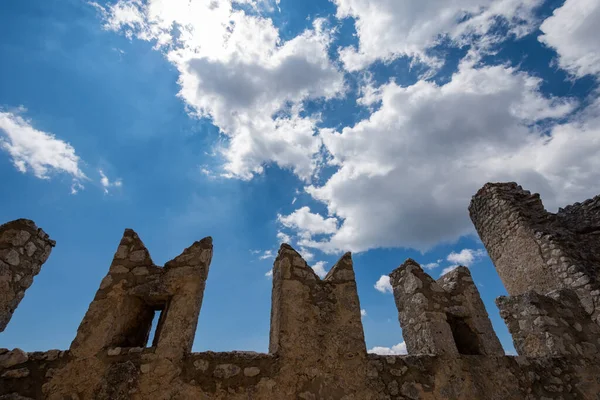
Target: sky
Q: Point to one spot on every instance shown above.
(332, 125)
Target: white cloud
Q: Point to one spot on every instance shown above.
(269, 274)
(363, 313)
(387, 29)
(384, 285)
(433, 265)
(407, 173)
(235, 69)
(399, 349)
(267, 254)
(448, 269)
(319, 269)
(465, 257)
(306, 254)
(37, 151)
(573, 31)
(283, 237)
(305, 221)
(106, 183)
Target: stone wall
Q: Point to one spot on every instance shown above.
(253, 376)
(317, 348)
(533, 249)
(551, 325)
(23, 249)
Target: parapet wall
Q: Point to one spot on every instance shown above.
(553, 325)
(317, 348)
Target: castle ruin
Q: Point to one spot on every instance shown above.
(317, 350)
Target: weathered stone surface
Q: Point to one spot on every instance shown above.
(251, 371)
(224, 371)
(533, 249)
(123, 309)
(16, 373)
(446, 317)
(119, 382)
(553, 325)
(11, 358)
(23, 249)
(14, 396)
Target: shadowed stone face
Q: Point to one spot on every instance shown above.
(23, 249)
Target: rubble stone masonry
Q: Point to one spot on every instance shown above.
(533, 249)
(23, 250)
(317, 349)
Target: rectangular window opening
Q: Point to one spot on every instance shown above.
(155, 328)
(465, 339)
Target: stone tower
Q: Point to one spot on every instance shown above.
(533, 249)
(23, 249)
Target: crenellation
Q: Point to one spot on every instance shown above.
(23, 249)
(317, 323)
(421, 304)
(470, 310)
(444, 317)
(317, 348)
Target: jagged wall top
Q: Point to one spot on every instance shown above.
(23, 249)
(533, 249)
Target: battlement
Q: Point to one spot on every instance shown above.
(23, 249)
(533, 249)
(444, 317)
(317, 348)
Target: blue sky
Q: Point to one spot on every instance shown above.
(361, 125)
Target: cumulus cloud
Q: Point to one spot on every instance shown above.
(384, 285)
(307, 222)
(236, 70)
(106, 183)
(399, 349)
(465, 257)
(267, 254)
(283, 237)
(573, 31)
(269, 273)
(433, 265)
(363, 313)
(319, 269)
(404, 175)
(387, 29)
(407, 173)
(41, 153)
(306, 254)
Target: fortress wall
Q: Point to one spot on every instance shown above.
(317, 349)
